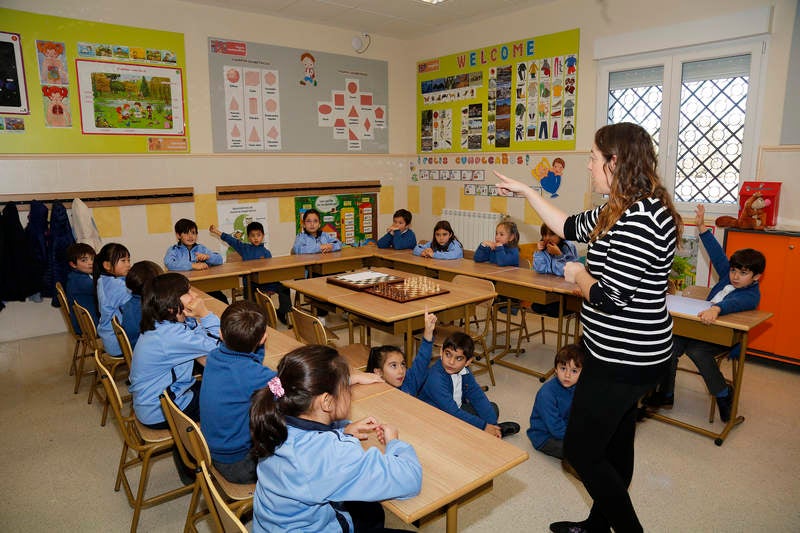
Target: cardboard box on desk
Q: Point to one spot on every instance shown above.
(770, 192)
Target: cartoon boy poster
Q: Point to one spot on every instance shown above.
(549, 176)
(309, 67)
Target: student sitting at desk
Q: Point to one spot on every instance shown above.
(389, 362)
(444, 245)
(312, 240)
(188, 254)
(80, 285)
(554, 401)
(255, 249)
(451, 387)
(313, 474)
(399, 236)
(110, 268)
(139, 274)
(504, 249)
(737, 290)
(551, 255)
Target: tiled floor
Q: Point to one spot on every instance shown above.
(58, 464)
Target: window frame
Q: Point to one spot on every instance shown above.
(671, 60)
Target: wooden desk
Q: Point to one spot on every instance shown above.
(220, 277)
(346, 259)
(278, 268)
(727, 330)
(393, 317)
(459, 461)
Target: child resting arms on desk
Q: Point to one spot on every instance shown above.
(737, 290)
(504, 249)
(444, 245)
(389, 362)
(313, 474)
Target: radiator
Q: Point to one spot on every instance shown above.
(472, 227)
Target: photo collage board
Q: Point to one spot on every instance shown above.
(516, 96)
(73, 86)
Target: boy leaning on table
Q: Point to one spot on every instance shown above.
(737, 290)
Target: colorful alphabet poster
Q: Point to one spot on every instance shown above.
(515, 96)
(351, 218)
(91, 87)
(267, 98)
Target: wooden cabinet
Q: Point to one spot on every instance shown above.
(779, 337)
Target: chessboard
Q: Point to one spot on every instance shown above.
(413, 288)
(359, 281)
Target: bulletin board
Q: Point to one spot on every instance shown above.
(91, 87)
(267, 98)
(351, 218)
(514, 96)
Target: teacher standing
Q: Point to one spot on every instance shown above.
(627, 330)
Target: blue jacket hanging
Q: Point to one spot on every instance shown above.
(60, 239)
(37, 234)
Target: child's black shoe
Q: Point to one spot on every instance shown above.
(658, 400)
(725, 404)
(508, 428)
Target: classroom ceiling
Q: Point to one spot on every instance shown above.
(402, 19)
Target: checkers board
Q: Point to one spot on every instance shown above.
(414, 288)
(360, 281)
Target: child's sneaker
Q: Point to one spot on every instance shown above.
(725, 404)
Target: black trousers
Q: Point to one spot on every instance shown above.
(599, 443)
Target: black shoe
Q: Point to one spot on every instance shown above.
(725, 404)
(282, 318)
(659, 400)
(569, 527)
(566, 467)
(508, 428)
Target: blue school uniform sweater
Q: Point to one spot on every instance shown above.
(164, 357)
(80, 288)
(229, 380)
(302, 486)
(180, 258)
(544, 263)
(111, 295)
(550, 412)
(744, 299)
(308, 244)
(418, 373)
(398, 240)
(132, 318)
(438, 391)
(454, 251)
(245, 249)
(500, 256)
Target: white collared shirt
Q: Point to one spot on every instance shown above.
(457, 388)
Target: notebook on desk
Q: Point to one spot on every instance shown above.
(685, 305)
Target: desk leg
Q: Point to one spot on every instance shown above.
(452, 518)
(737, 390)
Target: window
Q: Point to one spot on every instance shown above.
(700, 106)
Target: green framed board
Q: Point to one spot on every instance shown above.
(515, 96)
(351, 218)
(90, 87)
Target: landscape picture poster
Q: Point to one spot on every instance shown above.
(122, 98)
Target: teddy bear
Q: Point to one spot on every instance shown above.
(752, 215)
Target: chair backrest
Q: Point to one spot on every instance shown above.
(64, 307)
(486, 305)
(308, 329)
(88, 328)
(525, 263)
(122, 338)
(526, 251)
(188, 437)
(265, 302)
(125, 424)
(223, 517)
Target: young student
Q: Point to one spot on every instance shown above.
(139, 274)
(444, 245)
(451, 387)
(313, 240)
(553, 402)
(389, 362)
(176, 329)
(737, 290)
(504, 249)
(552, 253)
(110, 268)
(80, 284)
(256, 250)
(313, 474)
(188, 254)
(399, 236)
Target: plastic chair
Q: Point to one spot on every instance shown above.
(146, 443)
(478, 327)
(112, 363)
(193, 449)
(81, 350)
(224, 519)
(309, 329)
(263, 299)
